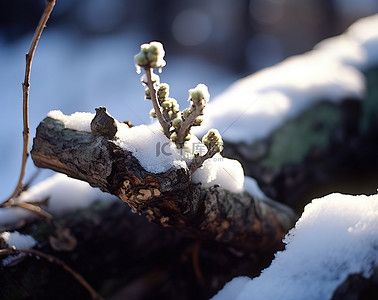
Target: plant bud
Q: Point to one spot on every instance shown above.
(197, 121)
(173, 137)
(166, 104)
(147, 94)
(186, 112)
(176, 123)
(152, 113)
(163, 91)
(199, 93)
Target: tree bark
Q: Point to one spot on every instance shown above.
(169, 198)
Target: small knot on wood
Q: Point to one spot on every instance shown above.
(103, 123)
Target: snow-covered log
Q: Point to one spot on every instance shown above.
(169, 198)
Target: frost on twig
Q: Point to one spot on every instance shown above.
(176, 124)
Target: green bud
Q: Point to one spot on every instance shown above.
(188, 137)
(151, 54)
(199, 94)
(163, 92)
(141, 59)
(166, 104)
(152, 113)
(197, 121)
(213, 139)
(173, 137)
(176, 123)
(186, 112)
(147, 93)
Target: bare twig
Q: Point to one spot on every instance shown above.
(198, 160)
(30, 207)
(25, 88)
(56, 261)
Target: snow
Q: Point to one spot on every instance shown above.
(227, 173)
(65, 194)
(80, 121)
(18, 240)
(157, 154)
(251, 187)
(254, 106)
(337, 235)
(154, 151)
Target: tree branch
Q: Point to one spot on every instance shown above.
(169, 198)
(25, 89)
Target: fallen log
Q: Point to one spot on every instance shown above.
(169, 198)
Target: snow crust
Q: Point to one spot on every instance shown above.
(254, 106)
(337, 235)
(64, 193)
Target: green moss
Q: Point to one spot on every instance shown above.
(293, 141)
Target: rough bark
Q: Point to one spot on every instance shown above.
(169, 198)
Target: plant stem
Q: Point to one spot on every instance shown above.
(56, 261)
(163, 122)
(25, 88)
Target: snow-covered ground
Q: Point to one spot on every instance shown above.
(336, 236)
(63, 193)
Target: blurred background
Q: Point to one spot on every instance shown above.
(85, 56)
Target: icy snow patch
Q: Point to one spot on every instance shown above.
(18, 240)
(64, 193)
(336, 235)
(80, 121)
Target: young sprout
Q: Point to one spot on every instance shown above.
(151, 55)
(176, 124)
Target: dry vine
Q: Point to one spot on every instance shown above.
(25, 108)
(56, 261)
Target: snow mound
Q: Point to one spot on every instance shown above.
(64, 193)
(252, 107)
(80, 121)
(337, 235)
(18, 240)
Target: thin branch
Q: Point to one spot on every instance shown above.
(30, 207)
(155, 103)
(25, 88)
(198, 160)
(56, 261)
